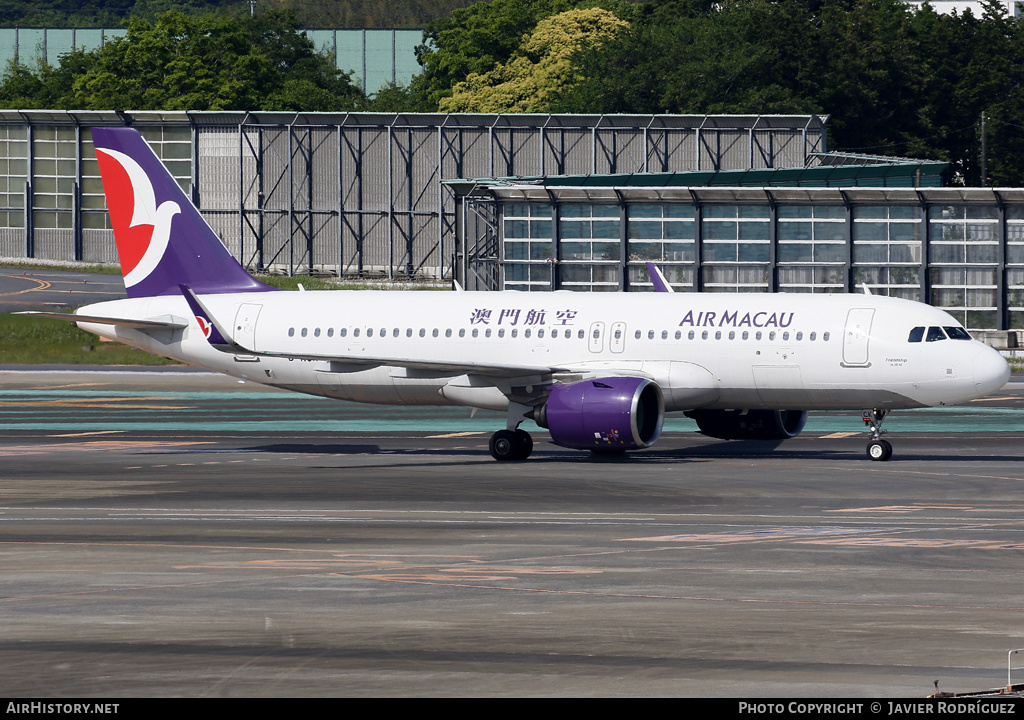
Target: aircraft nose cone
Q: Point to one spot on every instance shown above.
(991, 371)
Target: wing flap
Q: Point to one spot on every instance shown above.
(441, 367)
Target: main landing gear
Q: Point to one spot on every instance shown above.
(507, 445)
(512, 443)
(878, 449)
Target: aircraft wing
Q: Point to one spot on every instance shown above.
(124, 322)
(363, 362)
(220, 340)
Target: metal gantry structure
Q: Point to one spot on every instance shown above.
(350, 194)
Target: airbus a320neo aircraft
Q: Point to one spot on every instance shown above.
(598, 370)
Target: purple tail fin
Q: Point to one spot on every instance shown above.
(162, 240)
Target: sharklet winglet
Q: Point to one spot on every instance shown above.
(658, 280)
(210, 328)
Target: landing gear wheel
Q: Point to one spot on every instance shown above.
(525, 444)
(509, 445)
(879, 450)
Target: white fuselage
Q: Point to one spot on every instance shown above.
(799, 351)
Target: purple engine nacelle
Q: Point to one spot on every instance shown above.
(607, 414)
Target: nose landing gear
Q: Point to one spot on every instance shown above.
(878, 449)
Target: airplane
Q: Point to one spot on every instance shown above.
(599, 371)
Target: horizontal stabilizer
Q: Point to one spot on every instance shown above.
(122, 322)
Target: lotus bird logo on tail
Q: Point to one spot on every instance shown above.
(144, 200)
(141, 228)
(205, 326)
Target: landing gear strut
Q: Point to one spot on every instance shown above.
(878, 449)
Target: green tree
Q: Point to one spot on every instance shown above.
(319, 14)
(474, 40)
(739, 56)
(197, 62)
(540, 68)
(991, 81)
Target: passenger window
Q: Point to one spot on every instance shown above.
(540, 333)
(355, 332)
(501, 332)
(434, 333)
(330, 332)
(487, 332)
(758, 335)
(423, 332)
(650, 334)
(916, 335)
(515, 332)
(785, 335)
(718, 334)
(732, 334)
(395, 333)
(369, 332)
(814, 336)
(689, 335)
(704, 335)
(476, 332)
(526, 333)
(316, 332)
(771, 335)
(799, 336)
(935, 334)
(957, 333)
(824, 337)
(582, 334)
(448, 333)
(637, 335)
(462, 332)
(291, 332)
(679, 334)
(554, 332)
(343, 332)
(746, 334)
(408, 332)
(664, 334)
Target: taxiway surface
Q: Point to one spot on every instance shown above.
(174, 533)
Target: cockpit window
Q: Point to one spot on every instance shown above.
(916, 335)
(957, 333)
(935, 333)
